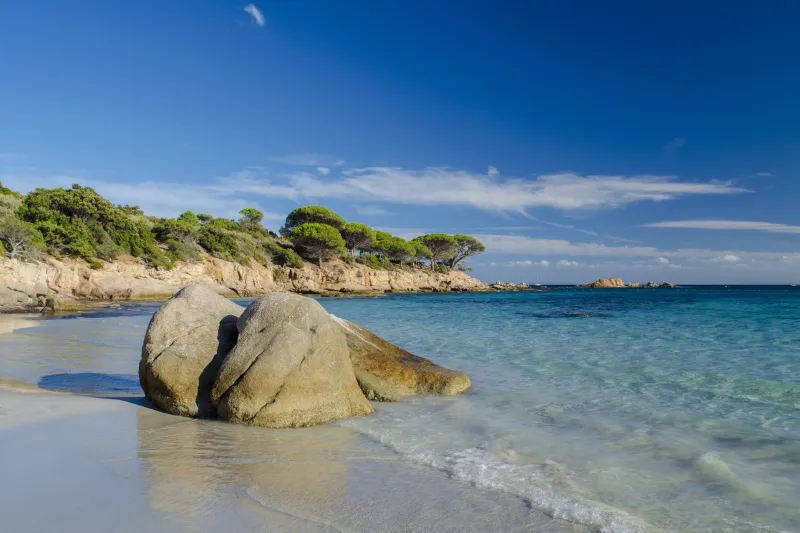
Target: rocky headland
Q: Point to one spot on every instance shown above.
(26, 286)
(281, 362)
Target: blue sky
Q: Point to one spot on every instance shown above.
(577, 140)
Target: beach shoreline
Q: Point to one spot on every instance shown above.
(133, 468)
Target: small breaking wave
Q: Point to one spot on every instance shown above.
(481, 469)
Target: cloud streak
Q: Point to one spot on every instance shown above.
(155, 198)
(522, 245)
(727, 225)
(437, 186)
(253, 11)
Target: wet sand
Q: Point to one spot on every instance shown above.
(76, 464)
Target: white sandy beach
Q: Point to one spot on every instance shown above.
(78, 464)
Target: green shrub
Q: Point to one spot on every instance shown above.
(283, 256)
(5, 191)
(9, 205)
(375, 262)
(20, 239)
(78, 221)
(219, 242)
(442, 269)
(182, 250)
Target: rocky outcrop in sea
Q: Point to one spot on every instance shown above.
(617, 283)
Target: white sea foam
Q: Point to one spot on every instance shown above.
(483, 470)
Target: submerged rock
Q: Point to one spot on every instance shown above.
(386, 372)
(290, 367)
(60, 305)
(579, 315)
(186, 341)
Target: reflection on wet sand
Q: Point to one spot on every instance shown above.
(10, 323)
(325, 478)
(189, 462)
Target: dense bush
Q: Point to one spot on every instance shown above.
(219, 242)
(78, 221)
(19, 239)
(376, 262)
(283, 256)
(9, 205)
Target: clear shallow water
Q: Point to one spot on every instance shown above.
(663, 411)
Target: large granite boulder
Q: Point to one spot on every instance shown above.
(290, 367)
(386, 372)
(186, 341)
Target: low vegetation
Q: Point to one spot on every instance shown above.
(78, 222)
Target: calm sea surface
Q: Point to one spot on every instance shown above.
(664, 410)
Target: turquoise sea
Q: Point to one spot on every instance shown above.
(663, 410)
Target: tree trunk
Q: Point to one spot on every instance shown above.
(320, 259)
(433, 263)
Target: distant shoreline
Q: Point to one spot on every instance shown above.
(69, 284)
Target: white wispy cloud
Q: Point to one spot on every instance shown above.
(727, 225)
(523, 245)
(567, 263)
(324, 170)
(155, 198)
(527, 263)
(662, 260)
(582, 230)
(763, 175)
(445, 186)
(258, 16)
(493, 171)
